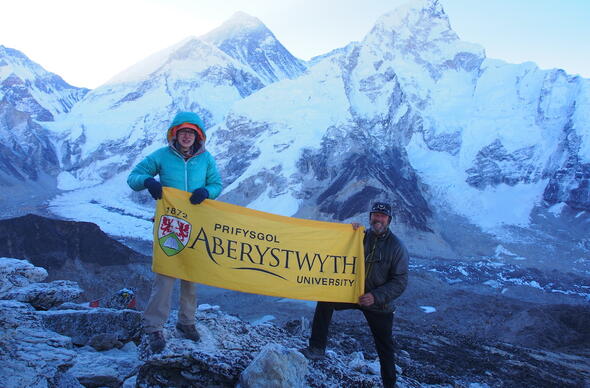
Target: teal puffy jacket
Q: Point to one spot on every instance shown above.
(174, 171)
(199, 171)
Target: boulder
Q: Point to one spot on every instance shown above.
(359, 364)
(105, 341)
(44, 296)
(15, 273)
(30, 355)
(33, 357)
(64, 379)
(191, 369)
(274, 367)
(17, 314)
(125, 325)
(19, 280)
(227, 346)
(106, 368)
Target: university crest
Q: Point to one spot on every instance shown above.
(173, 234)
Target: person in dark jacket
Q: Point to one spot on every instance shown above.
(185, 165)
(386, 278)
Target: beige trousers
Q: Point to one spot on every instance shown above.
(156, 313)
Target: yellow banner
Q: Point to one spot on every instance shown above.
(229, 246)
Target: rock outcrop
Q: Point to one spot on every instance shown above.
(75, 251)
(21, 282)
(73, 345)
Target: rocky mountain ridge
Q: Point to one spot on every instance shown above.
(414, 116)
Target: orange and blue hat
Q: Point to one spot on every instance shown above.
(188, 120)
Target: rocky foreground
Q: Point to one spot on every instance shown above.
(48, 340)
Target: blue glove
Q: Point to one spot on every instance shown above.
(199, 195)
(154, 187)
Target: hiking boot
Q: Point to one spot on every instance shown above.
(188, 331)
(156, 341)
(313, 353)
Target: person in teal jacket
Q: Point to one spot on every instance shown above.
(185, 165)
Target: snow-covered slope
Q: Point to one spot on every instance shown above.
(123, 120)
(128, 116)
(249, 41)
(487, 129)
(27, 93)
(26, 151)
(30, 88)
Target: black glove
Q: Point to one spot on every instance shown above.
(199, 195)
(154, 187)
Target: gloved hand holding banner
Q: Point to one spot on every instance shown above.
(229, 246)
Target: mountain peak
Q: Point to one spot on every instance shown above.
(189, 55)
(247, 40)
(17, 58)
(416, 15)
(243, 19)
(239, 25)
(419, 32)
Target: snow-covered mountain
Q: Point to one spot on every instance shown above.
(249, 41)
(457, 142)
(415, 116)
(26, 151)
(411, 104)
(30, 88)
(128, 116)
(29, 96)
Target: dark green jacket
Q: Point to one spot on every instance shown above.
(386, 269)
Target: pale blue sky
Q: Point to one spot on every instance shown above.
(88, 42)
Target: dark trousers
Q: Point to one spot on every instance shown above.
(381, 325)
